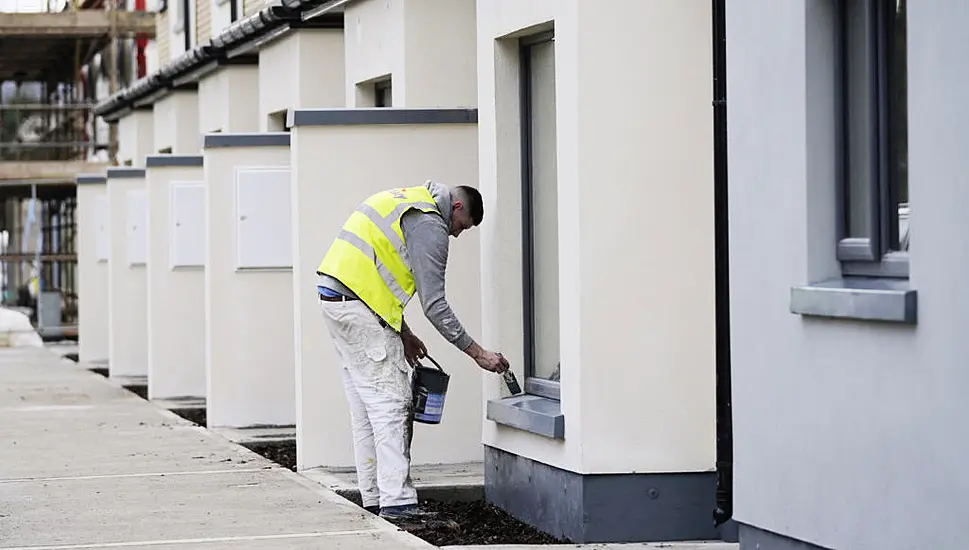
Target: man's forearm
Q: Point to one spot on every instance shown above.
(473, 350)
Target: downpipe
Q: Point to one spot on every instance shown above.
(724, 494)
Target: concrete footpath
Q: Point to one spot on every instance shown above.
(86, 464)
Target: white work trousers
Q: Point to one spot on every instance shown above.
(377, 382)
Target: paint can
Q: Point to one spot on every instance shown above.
(430, 389)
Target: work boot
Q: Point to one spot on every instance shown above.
(405, 512)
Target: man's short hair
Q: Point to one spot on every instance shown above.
(473, 202)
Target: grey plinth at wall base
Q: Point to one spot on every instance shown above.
(602, 508)
(83, 179)
(122, 173)
(263, 139)
(888, 300)
(753, 538)
(378, 116)
(531, 413)
(186, 161)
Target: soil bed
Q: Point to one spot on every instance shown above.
(141, 390)
(455, 523)
(280, 452)
(474, 522)
(195, 415)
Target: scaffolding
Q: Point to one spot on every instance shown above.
(56, 64)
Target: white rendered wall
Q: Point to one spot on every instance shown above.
(635, 210)
(176, 296)
(869, 415)
(427, 47)
(302, 69)
(322, 201)
(176, 126)
(127, 287)
(136, 137)
(248, 315)
(92, 273)
(229, 100)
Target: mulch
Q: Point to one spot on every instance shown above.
(455, 523)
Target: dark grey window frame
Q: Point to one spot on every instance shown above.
(533, 385)
(874, 256)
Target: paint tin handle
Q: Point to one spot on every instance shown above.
(433, 361)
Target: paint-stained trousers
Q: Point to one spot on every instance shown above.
(377, 382)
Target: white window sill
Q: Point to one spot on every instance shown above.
(530, 413)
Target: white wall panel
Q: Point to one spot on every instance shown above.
(263, 231)
(187, 229)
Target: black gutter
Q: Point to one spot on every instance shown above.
(724, 510)
(239, 38)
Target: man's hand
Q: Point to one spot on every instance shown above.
(487, 360)
(414, 349)
(491, 361)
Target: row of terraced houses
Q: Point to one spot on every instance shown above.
(723, 248)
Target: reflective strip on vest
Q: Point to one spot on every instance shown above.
(370, 256)
(385, 273)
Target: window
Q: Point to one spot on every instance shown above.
(176, 12)
(540, 216)
(873, 220)
(375, 92)
(383, 94)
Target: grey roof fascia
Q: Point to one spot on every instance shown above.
(378, 115)
(258, 43)
(247, 34)
(257, 139)
(152, 98)
(124, 172)
(116, 114)
(84, 179)
(311, 11)
(196, 74)
(172, 161)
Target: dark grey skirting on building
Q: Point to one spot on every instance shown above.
(602, 507)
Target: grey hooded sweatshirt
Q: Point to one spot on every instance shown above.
(426, 235)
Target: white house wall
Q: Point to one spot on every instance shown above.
(92, 273)
(176, 295)
(135, 137)
(636, 325)
(175, 123)
(302, 69)
(498, 114)
(248, 314)
(410, 155)
(426, 47)
(845, 432)
(127, 284)
(229, 100)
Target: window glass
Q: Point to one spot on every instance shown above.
(875, 118)
(544, 210)
(898, 105)
(859, 146)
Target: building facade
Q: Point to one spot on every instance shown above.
(847, 249)
(696, 252)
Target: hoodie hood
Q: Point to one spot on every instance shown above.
(442, 196)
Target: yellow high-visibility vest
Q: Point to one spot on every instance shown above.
(366, 256)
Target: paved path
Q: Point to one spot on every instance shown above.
(85, 464)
